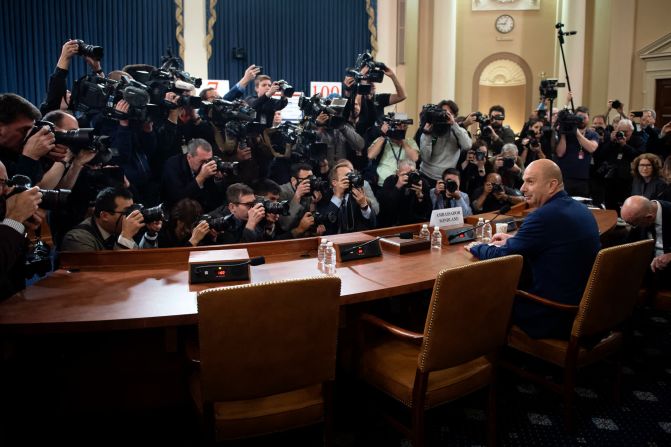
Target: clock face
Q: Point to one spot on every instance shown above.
(505, 24)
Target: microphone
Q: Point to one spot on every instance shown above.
(504, 209)
(402, 235)
(258, 260)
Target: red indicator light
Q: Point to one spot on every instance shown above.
(462, 235)
(221, 273)
(360, 251)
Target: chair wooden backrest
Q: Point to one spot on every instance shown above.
(267, 338)
(469, 312)
(612, 287)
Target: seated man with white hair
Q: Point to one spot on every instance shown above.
(404, 197)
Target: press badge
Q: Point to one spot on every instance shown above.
(619, 156)
(581, 155)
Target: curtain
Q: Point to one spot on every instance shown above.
(131, 31)
(299, 40)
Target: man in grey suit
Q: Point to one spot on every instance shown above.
(110, 228)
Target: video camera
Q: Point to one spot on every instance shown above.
(78, 139)
(308, 148)
(396, 123)
(433, 114)
(568, 122)
(548, 88)
(220, 111)
(152, 214)
(52, 199)
(95, 94)
(375, 72)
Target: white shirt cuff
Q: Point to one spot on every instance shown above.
(128, 243)
(11, 223)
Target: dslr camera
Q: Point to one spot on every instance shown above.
(355, 180)
(52, 199)
(218, 224)
(450, 186)
(397, 123)
(324, 218)
(497, 188)
(225, 167)
(317, 184)
(78, 139)
(152, 214)
(270, 207)
(413, 179)
(286, 89)
(220, 112)
(548, 88)
(93, 51)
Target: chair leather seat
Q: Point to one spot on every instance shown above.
(264, 415)
(554, 350)
(391, 367)
(662, 300)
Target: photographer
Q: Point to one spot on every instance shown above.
(531, 145)
(574, 150)
(441, 144)
(340, 137)
(348, 204)
(247, 216)
(618, 155)
(58, 97)
(183, 228)
(493, 195)
(298, 191)
(16, 212)
(388, 150)
(474, 167)
(506, 164)
(112, 227)
(238, 90)
(446, 194)
(496, 134)
(264, 103)
(194, 176)
(404, 197)
(17, 118)
(372, 105)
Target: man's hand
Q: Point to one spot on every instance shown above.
(122, 107)
(207, 170)
(131, 224)
(302, 190)
(316, 196)
(84, 156)
(384, 128)
(470, 119)
(70, 48)
(59, 154)
(255, 215)
(306, 222)
(402, 181)
(667, 128)
(322, 119)
(94, 64)
(418, 190)
(20, 207)
(440, 188)
(500, 239)
(274, 88)
(250, 74)
(660, 262)
(173, 114)
(154, 227)
(360, 197)
(40, 144)
(199, 232)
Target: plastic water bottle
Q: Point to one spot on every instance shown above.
(424, 233)
(321, 250)
(329, 259)
(436, 238)
(478, 229)
(487, 233)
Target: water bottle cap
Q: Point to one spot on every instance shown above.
(425, 226)
(329, 244)
(436, 228)
(324, 240)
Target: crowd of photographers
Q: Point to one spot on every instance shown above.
(136, 159)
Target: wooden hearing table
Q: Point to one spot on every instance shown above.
(136, 289)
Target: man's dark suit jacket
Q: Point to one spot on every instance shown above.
(178, 182)
(559, 242)
(347, 220)
(12, 260)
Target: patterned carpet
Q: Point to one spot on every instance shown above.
(45, 403)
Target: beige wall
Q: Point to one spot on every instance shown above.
(615, 30)
(653, 20)
(511, 97)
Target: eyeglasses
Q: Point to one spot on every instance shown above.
(247, 204)
(641, 165)
(498, 118)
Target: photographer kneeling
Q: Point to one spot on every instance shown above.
(114, 224)
(404, 197)
(446, 194)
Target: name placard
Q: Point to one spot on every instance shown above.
(447, 217)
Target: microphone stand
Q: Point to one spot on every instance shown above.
(560, 36)
(500, 212)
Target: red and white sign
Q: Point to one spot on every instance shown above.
(325, 88)
(221, 86)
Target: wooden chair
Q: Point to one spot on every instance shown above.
(466, 326)
(267, 357)
(607, 303)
